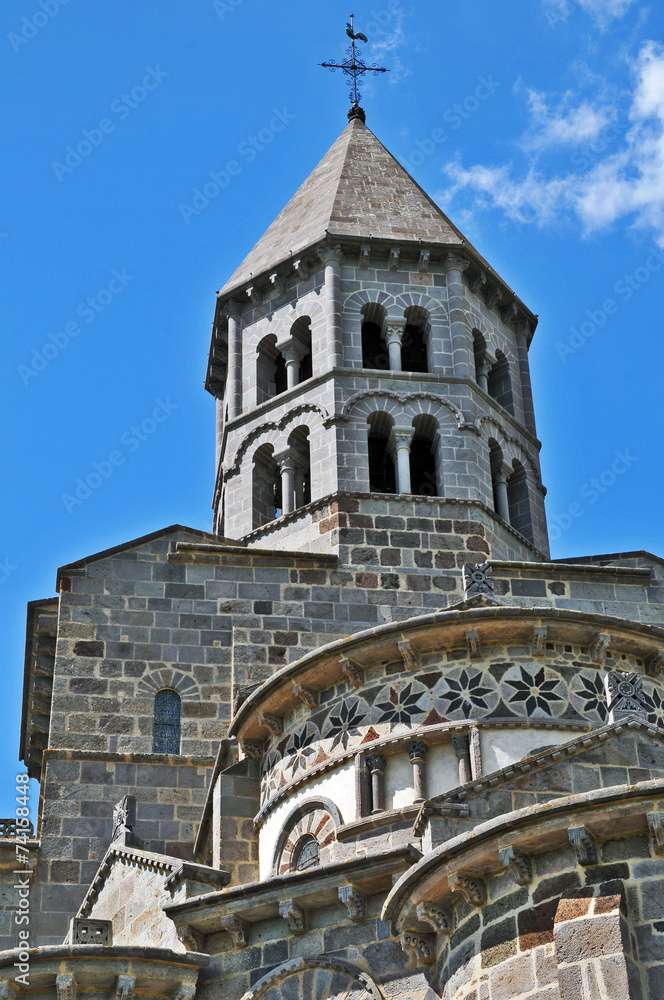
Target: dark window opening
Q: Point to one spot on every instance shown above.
(423, 473)
(382, 478)
(280, 380)
(306, 367)
(499, 383)
(266, 487)
(519, 501)
(496, 461)
(374, 348)
(166, 733)
(306, 853)
(414, 349)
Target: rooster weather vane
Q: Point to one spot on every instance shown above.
(354, 66)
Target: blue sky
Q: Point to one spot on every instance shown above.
(538, 125)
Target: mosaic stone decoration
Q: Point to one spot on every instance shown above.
(563, 685)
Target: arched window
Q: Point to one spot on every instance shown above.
(306, 853)
(374, 348)
(301, 336)
(382, 477)
(519, 502)
(166, 732)
(266, 486)
(298, 442)
(500, 384)
(423, 471)
(414, 341)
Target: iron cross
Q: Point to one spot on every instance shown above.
(353, 65)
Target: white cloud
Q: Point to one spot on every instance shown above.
(624, 185)
(603, 12)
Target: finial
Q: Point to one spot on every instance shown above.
(354, 66)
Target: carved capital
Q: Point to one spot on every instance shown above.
(478, 579)
(421, 946)
(461, 744)
(624, 695)
(125, 987)
(656, 831)
(409, 654)
(294, 916)
(600, 647)
(474, 644)
(455, 262)
(306, 695)
(538, 644)
(376, 763)
(393, 259)
(584, 845)
(438, 918)
(518, 863)
(394, 331)
(417, 750)
(472, 888)
(252, 748)
(272, 723)
(232, 309)
(237, 928)
(354, 902)
(331, 254)
(352, 671)
(65, 986)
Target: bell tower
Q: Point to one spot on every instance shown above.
(365, 353)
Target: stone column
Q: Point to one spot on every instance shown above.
(292, 356)
(483, 376)
(417, 751)
(461, 746)
(286, 463)
(234, 314)
(393, 338)
(462, 358)
(377, 764)
(332, 258)
(524, 372)
(502, 503)
(399, 443)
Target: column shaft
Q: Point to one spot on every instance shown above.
(524, 372)
(502, 502)
(332, 257)
(461, 343)
(234, 363)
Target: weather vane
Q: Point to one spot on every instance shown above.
(354, 66)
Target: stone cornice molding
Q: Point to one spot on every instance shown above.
(324, 663)
(546, 825)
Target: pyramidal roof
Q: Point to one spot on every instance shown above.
(357, 189)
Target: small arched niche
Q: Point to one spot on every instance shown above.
(374, 349)
(166, 728)
(423, 465)
(414, 343)
(266, 486)
(382, 477)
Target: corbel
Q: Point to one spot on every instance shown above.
(409, 654)
(301, 269)
(254, 295)
(237, 928)
(599, 648)
(365, 255)
(65, 986)
(278, 283)
(491, 296)
(472, 888)
(252, 748)
(423, 261)
(272, 723)
(306, 695)
(584, 845)
(421, 946)
(393, 261)
(474, 644)
(294, 916)
(538, 644)
(518, 863)
(656, 831)
(437, 917)
(352, 671)
(192, 939)
(354, 901)
(125, 987)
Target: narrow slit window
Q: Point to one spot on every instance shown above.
(166, 737)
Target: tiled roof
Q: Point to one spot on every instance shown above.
(357, 189)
